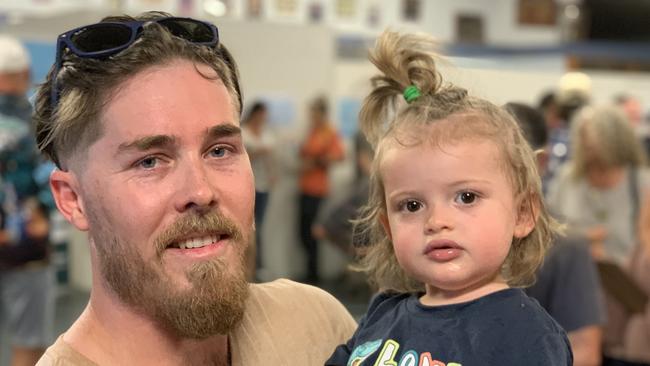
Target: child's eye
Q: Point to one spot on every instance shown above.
(466, 198)
(411, 205)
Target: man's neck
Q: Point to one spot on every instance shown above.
(110, 333)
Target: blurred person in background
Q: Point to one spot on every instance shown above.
(634, 111)
(573, 93)
(549, 108)
(567, 284)
(27, 285)
(320, 149)
(146, 137)
(592, 191)
(632, 108)
(601, 194)
(336, 225)
(259, 143)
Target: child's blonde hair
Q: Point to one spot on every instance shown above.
(449, 115)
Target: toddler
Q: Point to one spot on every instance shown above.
(457, 224)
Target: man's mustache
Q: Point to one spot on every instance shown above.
(196, 225)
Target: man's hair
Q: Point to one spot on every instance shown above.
(86, 85)
(531, 122)
(453, 116)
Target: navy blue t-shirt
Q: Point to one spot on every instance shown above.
(568, 286)
(503, 328)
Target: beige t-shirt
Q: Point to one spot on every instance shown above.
(286, 323)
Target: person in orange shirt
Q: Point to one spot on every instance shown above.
(320, 149)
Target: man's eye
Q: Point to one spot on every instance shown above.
(466, 198)
(218, 152)
(412, 206)
(148, 162)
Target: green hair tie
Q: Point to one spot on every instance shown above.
(411, 93)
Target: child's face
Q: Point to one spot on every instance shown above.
(451, 215)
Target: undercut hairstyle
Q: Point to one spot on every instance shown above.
(86, 85)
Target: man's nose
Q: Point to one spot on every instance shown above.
(196, 190)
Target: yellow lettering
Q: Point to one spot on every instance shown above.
(387, 355)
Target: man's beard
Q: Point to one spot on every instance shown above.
(214, 303)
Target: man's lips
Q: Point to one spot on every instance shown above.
(197, 241)
(199, 248)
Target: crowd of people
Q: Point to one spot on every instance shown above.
(515, 234)
(27, 278)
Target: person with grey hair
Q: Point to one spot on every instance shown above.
(601, 193)
(592, 192)
(567, 284)
(26, 275)
(141, 116)
(633, 109)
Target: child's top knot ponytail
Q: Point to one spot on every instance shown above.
(409, 76)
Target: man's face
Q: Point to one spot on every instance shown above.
(15, 83)
(168, 195)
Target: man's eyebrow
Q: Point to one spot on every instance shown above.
(224, 130)
(148, 142)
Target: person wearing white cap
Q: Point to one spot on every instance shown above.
(26, 277)
(14, 67)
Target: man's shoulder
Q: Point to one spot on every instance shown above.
(61, 354)
(289, 323)
(293, 298)
(300, 308)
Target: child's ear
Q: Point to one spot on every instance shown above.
(527, 214)
(383, 219)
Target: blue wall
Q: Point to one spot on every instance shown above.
(42, 54)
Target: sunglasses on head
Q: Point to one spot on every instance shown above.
(105, 39)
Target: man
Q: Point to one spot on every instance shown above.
(26, 277)
(142, 119)
(567, 284)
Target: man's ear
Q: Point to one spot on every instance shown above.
(65, 188)
(527, 214)
(383, 219)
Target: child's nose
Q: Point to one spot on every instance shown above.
(440, 219)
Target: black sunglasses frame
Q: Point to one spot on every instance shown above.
(66, 40)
